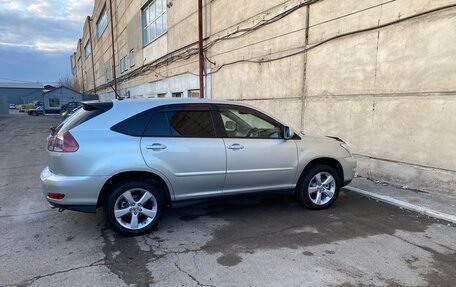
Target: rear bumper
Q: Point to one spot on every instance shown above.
(81, 192)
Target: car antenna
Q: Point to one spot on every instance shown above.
(117, 95)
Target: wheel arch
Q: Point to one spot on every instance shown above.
(332, 162)
(133, 175)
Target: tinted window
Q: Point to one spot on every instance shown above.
(191, 124)
(158, 126)
(133, 126)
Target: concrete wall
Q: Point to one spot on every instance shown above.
(4, 106)
(388, 91)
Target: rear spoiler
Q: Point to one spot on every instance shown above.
(97, 105)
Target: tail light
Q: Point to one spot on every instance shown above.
(62, 143)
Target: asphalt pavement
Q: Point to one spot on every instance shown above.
(265, 241)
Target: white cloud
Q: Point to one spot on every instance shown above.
(78, 10)
(43, 25)
(42, 8)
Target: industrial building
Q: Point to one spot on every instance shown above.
(378, 74)
(21, 93)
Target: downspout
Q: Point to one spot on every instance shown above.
(82, 66)
(113, 52)
(91, 48)
(200, 48)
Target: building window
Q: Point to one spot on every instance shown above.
(54, 103)
(102, 22)
(132, 58)
(193, 93)
(123, 64)
(154, 21)
(87, 50)
(79, 63)
(177, 95)
(162, 95)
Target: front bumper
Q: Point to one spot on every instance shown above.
(349, 167)
(81, 192)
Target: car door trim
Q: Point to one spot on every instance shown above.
(258, 170)
(199, 173)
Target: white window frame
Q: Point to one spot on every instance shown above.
(102, 22)
(146, 26)
(131, 55)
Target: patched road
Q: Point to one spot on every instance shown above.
(268, 241)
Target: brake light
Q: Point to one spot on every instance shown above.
(56, 195)
(63, 143)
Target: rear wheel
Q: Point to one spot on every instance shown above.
(319, 187)
(134, 207)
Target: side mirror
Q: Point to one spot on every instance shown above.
(230, 126)
(288, 133)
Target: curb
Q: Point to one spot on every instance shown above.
(404, 204)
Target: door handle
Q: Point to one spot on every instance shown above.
(235, 146)
(156, 146)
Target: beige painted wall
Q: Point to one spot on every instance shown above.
(389, 92)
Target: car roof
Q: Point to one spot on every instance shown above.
(150, 103)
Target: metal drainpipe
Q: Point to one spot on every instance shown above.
(113, 52)
(82, 66)
(200, 46)
(91, 48)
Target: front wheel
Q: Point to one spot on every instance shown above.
(135, 207)
(319, 187)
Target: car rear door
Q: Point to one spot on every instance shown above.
(258, 158)
(181, 142)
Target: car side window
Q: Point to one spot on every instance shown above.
(158, 126)
(191, 124)
(133, 126)
(181, 124)
(246, 123)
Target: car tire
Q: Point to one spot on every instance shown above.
(127, 214)
(319, 187)
(33, 114)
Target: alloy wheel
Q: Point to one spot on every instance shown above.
(321, 188)
(135, 208)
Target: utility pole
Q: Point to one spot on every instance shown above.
(200, 47)
(91, 53)
(113, 52)
(82, 65)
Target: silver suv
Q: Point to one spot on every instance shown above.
(135, 157)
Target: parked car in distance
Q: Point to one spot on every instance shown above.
(68, 113)
(36, 112)
(135, 157)
(12, 106)
(69, 107)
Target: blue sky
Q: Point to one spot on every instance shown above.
(37, 38)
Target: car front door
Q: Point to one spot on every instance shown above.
(258, 157)
(180, 142)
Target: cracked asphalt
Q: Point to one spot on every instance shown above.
(267, 241)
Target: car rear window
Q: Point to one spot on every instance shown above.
(88, 111)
